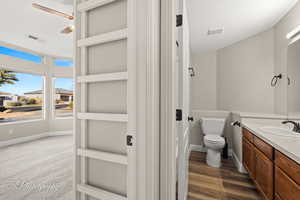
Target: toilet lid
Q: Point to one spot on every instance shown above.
(214, 138)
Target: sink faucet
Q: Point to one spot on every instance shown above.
(296, 125)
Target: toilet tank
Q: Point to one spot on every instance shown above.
(213, 126)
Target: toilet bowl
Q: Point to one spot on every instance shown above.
(214, 142)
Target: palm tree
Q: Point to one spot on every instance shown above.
(7, 77)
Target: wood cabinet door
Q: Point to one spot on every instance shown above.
(264, 174)
(248, 157)
(285, 187)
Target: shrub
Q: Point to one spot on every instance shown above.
(2, 109)
(23, 100)
(71, 105)
(32, 101)
(14, 103)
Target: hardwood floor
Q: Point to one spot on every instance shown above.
(225, 183)
(37, 170)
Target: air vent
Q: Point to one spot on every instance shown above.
(33, 37)
(215, 31)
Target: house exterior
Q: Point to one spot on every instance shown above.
(6, 96)
(60, 95)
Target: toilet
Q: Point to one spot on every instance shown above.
(214, 142)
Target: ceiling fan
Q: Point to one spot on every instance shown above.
(66, 30)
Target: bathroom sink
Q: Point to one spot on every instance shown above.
(279, 131)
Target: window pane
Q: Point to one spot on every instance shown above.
(20, 54)
(63, 97)
(63, 63)
(21, 96)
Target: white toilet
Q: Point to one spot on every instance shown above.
(213, 130)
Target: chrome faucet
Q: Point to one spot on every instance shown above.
(296, 125)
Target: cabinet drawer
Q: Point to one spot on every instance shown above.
(263, 147)
(285, 187)
(248, 135)
(289, 166)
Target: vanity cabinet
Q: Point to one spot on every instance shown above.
(248, 155)
(275, 175)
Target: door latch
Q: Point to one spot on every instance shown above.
(178, 20)
(129, 140)
(178, 115)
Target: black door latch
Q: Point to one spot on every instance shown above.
(178, 115)
(129, 140)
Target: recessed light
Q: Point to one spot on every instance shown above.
(215, 31)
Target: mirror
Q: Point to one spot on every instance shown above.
(293, 76)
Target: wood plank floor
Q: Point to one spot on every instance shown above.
(225, 183)
(37, 170)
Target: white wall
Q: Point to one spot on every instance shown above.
(28, 128)
(204, 83)
(244, 73)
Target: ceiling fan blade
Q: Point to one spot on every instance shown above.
(68, 30)
(52, 11)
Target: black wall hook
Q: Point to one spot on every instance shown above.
(275, 79)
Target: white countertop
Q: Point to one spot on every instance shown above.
(290, 146)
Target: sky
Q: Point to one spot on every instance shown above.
(30, 82)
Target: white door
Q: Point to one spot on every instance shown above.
(105, 125)
(183, 103)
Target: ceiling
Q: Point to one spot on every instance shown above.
(240, 19)
(18, 20)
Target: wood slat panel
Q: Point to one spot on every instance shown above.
(108, 157)
(103, 77)
(99, 193)
(91, 4)
(103, 38)
(103, 117)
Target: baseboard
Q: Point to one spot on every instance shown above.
(33, 137)
(23, 139)
(61, 133)
(238, 163)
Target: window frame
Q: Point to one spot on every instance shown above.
(43, 115)
(53, 99)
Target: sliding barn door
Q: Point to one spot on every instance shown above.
(105, 126)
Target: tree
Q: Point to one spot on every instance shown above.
(7, 77)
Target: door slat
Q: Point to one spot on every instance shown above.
(99, 193)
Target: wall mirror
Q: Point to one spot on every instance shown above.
(293, 79)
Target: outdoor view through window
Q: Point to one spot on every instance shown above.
(21, 96)
(63, 97)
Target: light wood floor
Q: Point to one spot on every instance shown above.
(225, 183)
(37, 170)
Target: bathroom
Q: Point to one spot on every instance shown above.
(244, 83)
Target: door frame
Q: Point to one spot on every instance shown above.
(168, 101)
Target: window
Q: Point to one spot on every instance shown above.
(20, 54)
(63, 63)
(63, 97)
(21, 96)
